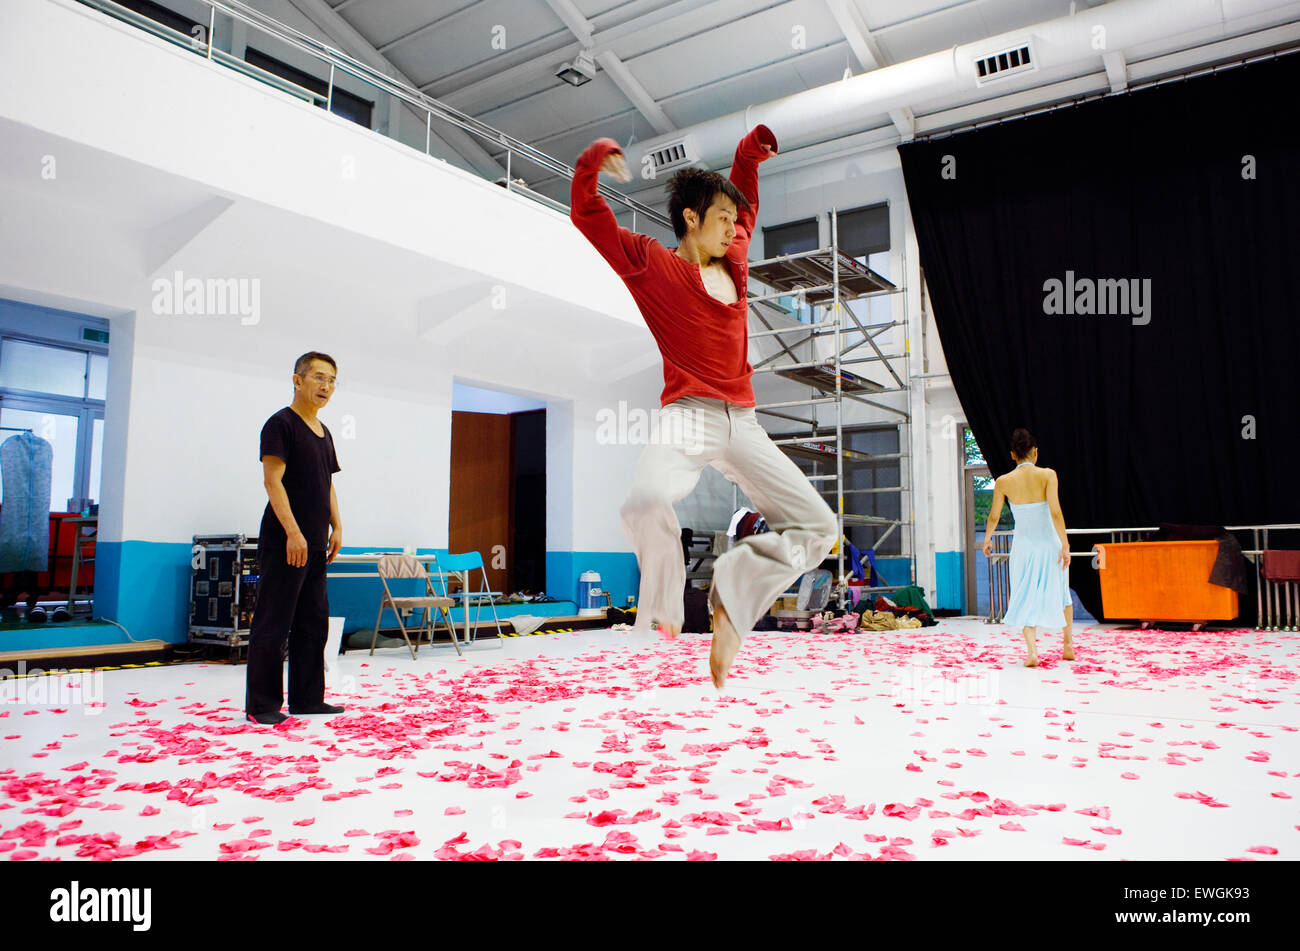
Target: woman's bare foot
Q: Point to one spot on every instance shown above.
(1031, 646)
(1067, 649)
(726, 642)
(670, 631)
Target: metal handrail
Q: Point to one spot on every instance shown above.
(1277, 602)
(1287, 526)
(338, 60)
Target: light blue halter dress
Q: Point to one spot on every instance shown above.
(1040, 587)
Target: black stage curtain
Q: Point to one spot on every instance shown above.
(1186, 413)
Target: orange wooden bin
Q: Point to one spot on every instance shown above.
(1163, 581)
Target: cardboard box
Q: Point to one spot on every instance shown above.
(785, 603)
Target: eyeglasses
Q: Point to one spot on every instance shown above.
(322, 379)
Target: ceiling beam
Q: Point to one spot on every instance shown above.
(615, 119)
(420, 31)
(878, 144)
(869, 57)
(614, 67)
(352, 42)
(572, 18)
(652, 18)
(637, 23)
(635, 92)
(485, 83)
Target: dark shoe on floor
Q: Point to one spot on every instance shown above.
(36, 615)
(319, 708)
(267, 719)
(61, 614)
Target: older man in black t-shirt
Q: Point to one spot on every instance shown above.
(300, 534)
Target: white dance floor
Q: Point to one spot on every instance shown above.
(928, 745)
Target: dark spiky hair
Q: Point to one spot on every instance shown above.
(694, 188)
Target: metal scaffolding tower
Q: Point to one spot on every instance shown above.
(826, 279)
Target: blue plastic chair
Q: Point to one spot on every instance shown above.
(462, 566)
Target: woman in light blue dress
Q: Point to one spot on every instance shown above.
(1040, 549)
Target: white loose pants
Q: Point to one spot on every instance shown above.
(695, 432)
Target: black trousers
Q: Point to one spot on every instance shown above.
(293, 610)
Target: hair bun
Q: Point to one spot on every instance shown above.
(1022, 443)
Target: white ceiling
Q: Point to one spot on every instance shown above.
(683, 61)
(663, 65)
(697, 59)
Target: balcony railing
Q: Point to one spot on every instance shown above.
(339, 64)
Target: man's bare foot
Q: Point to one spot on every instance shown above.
(1067, 649)
(1032, 661)
(726, 642)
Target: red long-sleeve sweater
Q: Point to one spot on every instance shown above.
(704, 342)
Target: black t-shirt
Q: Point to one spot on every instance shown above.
(309, 463)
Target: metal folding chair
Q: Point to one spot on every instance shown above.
(463, 566)
(408, 566)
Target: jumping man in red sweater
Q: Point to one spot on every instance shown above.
(693, 301)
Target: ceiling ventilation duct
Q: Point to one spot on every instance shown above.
(668, 155)
(1059, 48)
(1013, 61)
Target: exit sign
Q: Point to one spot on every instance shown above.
(97, 336)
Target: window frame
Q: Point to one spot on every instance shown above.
(814, 220)
(885, 465)
(85, 408)
(863, 255)
(350, 101)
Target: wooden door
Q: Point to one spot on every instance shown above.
(481, 475)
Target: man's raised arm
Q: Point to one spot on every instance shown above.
(759, 144)
(624, 250)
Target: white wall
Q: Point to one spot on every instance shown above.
(602, 469)
(192, 461)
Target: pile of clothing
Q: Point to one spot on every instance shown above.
(828, 623)
(909, 603)
(886, 621)
(907, 609)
